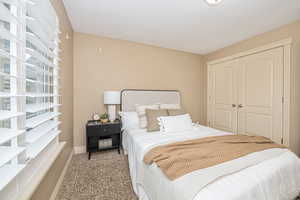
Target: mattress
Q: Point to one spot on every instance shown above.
(276, 178)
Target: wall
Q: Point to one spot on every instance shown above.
(123, 64)
(66, 82)
(290, 30)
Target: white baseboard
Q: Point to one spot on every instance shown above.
(79, 149)
(61, 178)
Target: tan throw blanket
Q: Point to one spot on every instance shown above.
(180, 158)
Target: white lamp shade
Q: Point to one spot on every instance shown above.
(111, 97)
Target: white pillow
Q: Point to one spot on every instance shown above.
(141, 111)
(130, 120)
(176, 123)
(169, 106)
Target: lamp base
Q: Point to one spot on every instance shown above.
(111, 112)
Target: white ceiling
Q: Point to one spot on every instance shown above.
(187, 25)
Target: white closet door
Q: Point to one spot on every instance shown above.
(223, 96)
(260, 93)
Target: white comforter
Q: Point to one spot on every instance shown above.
(276, 178)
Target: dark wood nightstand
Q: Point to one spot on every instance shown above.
(95, 131)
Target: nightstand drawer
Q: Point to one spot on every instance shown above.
(110, 129)
(93, 131)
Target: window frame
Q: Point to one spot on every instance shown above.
(43, 143)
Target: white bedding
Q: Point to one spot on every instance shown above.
(277, 178)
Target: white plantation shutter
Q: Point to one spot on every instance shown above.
(29, 86)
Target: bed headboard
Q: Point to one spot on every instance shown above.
(131, 97)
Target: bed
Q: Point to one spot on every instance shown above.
(275, 174)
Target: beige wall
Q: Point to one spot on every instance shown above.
(123, 64)
(291, 30)
(46, 187)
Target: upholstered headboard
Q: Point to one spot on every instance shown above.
(131, 97)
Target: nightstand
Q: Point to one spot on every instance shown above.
(95, 131)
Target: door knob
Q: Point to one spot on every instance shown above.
(240, 106)
(233, 105)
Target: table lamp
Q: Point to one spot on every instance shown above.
(111, 99)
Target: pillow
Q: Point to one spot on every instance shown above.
(130, 120)
(175, 123)
(152, 121)
(169, 106)
(174, 112)
(141, 111)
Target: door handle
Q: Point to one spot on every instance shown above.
(233, 105)
(240, 105)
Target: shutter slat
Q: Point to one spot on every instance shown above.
(49, 27)
(7, 55)
(36, 29)
(40, 57)
(8, 114)
(42, 143)
(8, 153)
(40, 119)
(40, 83)
(5, 15)
(11, 2)
(34, 95)
(5, 34)
(7, 134)
(35, 134)
(36, 42)
(31, 108)
(10, 76)
(7, 95)
(40, 69)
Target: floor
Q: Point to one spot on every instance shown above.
(104, 177)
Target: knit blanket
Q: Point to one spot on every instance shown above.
(180, 158)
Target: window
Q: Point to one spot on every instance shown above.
(29, 99)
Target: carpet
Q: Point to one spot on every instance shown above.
(104, 177)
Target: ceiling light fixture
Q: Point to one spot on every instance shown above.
(213, 2)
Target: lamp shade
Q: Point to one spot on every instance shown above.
(111, 97)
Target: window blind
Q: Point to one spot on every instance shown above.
(29, 83)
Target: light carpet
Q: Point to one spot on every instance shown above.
(104, 177)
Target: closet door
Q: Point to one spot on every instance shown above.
(223, 96)
(260, 93)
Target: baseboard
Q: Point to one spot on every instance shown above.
(79, 149)
(61, 178)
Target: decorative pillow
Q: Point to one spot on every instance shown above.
(174, 112)
(169, 106)
(141, 111)
(175, 123)
(152, 115)
(130, 120)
